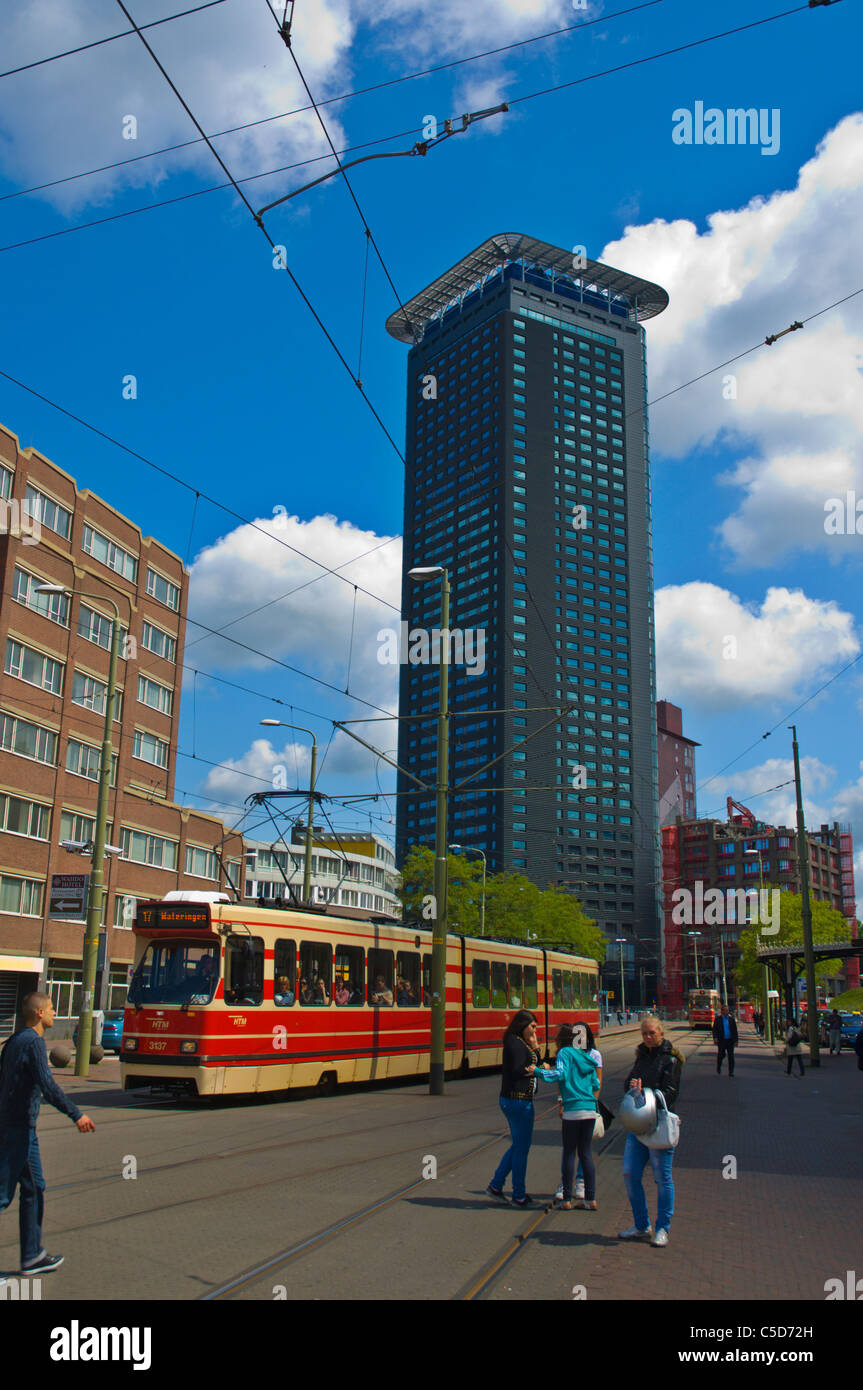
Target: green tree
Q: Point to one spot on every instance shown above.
(514, 906)
(827, 925)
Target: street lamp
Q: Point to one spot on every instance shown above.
(437, 1050)
(471, 849)
(765, 973)
(97, 878)
(693, 934)
(622, 941)
(307, 861)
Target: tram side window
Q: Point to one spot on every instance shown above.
(244, 970)
(316, 972)
(407, 979)
(498, 985)
(426, 982)
(556, 990)
(350, 970)
(516, 991)
(583, 982)
(380, 979)
(479, 985)
(531, 998)
(567, 989)
(284, 973)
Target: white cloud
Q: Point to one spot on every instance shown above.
(798, 409)
(305, 616)
(717, 653)
(267, 767)
(228, 62)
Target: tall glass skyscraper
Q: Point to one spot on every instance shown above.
(528, 478)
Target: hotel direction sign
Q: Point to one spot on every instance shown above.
(68, 897)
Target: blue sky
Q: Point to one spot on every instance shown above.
(239, 393)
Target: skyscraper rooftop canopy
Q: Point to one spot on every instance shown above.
(644, 299)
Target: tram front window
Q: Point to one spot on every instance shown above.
(175, 972)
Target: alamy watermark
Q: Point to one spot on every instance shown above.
(844, 515)
(420, 646)
(736, 126)
(721, 907)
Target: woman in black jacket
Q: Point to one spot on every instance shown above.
(520, 1060)
(657, 1065)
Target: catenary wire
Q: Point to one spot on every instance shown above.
(110, 38)
(327, 101)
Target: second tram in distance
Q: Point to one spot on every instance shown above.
(231, 999)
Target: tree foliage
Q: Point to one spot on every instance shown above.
(827, 925)
(514, 906)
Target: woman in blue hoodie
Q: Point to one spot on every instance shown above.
(575, 1073)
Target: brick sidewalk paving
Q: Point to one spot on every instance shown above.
(790, 1220)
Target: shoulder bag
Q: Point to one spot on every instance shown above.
(667, 1131)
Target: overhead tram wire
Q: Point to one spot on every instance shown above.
(841, 672)
(256, 218)
(190, 487)
(327, 101)
(110, 38)
(531, 96)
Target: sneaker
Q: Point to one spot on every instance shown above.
(43, 1264)
(635, 1233)
(566, 1206)
(558, 1196)
(579, 1191)
(525, 1201)
(660, 1239)
(498, 1194)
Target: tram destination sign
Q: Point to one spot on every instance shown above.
(173, 916)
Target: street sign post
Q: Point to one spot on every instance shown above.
(68, 897)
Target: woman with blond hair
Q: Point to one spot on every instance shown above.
(657, 1065)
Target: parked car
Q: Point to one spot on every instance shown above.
(851, 1025)
(112, 1031)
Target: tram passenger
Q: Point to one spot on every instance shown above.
(382, 994)
(657, 1065)
(517, 1087)
(342, 993)
(405, 996)
(305, 991)
(575, 1072)
(284, 995)
(319, 992)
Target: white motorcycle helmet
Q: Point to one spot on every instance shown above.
(638, 1111)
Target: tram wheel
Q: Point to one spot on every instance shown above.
(327, 1083)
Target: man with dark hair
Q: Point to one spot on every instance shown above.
(24, 1079)
(725, 1037)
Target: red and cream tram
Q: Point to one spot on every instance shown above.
(230, 999)
(704, 1007)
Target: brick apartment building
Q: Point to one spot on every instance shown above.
(53, 687)
(676, 760)
(743, 852)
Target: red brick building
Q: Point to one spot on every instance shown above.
(743, 852)
(676, 759)
(53, 686)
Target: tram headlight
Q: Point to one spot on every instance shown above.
(130, 1045)
(188, 1047)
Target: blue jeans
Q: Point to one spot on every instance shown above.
(519, 1116)
(21, 1166)
(635, 1156)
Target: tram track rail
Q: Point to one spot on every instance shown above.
(478, 1285)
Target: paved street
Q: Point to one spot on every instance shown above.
(222, 1191)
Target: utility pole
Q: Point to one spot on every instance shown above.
(806, 910)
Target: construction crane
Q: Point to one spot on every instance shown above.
(745, 816)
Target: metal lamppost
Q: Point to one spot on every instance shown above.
(622, 941)
(97, 877)
(694, 934)
(437, 1050)
(806, 912)
(307, 862)
(471, 849)
(765, 972)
